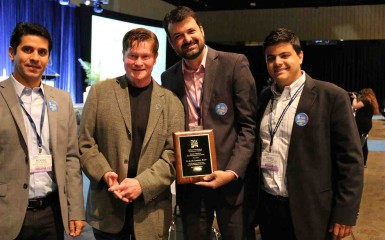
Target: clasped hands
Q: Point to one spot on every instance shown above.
(127, 191)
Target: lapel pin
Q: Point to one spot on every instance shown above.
(301, 119)
(221, 109)
(52, 105)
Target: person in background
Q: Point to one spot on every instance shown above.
(127, 148)
(41, 188)
(365, 105)
(310, 155)
(218, 92)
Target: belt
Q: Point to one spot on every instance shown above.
(41, 203)
(274, 197)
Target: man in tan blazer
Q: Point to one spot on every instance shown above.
(40, 179)
(127, 149)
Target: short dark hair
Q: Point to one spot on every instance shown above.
(140, 35)
(179, 14)
(283, 35)
(27, 28)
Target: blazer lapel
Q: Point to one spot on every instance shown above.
(8, 91)
(181, 92)
(305, 103)
(52, 117)
(121, 92)
(208, 82)
(156, 108)
(179, 82)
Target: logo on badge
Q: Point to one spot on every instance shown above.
(221, 109)
(52, 105)
(301, 119)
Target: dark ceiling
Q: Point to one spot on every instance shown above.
(216, 5)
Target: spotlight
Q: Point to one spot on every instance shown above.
(87, 2)
(98, 8)
(64, 2)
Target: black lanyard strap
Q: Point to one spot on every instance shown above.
(271, 131)
(33, 125)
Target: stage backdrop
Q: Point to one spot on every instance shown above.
(61, 22)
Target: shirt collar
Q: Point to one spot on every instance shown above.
(289, 91)
(201, 67)
(21, 89)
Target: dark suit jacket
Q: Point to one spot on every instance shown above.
(227, 80)
(324, 165)
(14, 164)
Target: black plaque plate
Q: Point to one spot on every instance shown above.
(195, 155)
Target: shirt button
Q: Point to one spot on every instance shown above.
(25, 186)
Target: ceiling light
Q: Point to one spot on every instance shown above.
(64, 2)
(98, 7)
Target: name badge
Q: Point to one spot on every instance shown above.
(270, 161)
(40, 163)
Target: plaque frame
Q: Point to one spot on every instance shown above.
(182, 176)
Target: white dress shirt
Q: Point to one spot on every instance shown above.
(274, 182)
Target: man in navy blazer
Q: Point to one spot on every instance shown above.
(218, 92)
(309, 150)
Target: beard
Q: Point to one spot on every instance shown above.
(191, 54)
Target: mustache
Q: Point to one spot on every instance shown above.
(186, 45)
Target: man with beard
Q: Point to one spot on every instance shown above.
(218, 92)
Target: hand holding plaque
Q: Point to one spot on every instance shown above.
(195, 155)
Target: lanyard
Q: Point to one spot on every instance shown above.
(39, 139)
(271, 131)
(196, 105)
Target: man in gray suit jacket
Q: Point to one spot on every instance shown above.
(218, 92)
(310, 156)
(127, 147)
(40, 179)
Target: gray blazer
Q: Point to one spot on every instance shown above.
(325, 164)
(14, 164)
(105, 144)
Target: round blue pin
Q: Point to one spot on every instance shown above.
(52, 105)
(221, 109)
(301, 119)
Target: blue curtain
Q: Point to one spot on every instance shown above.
(61, 22)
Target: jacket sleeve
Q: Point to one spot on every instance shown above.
(74, 180)
(349, 162)
(245, 100)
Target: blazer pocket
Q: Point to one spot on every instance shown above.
(3, 189)
(325, 199)
(324, 190)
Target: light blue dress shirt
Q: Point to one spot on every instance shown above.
(40, 183)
